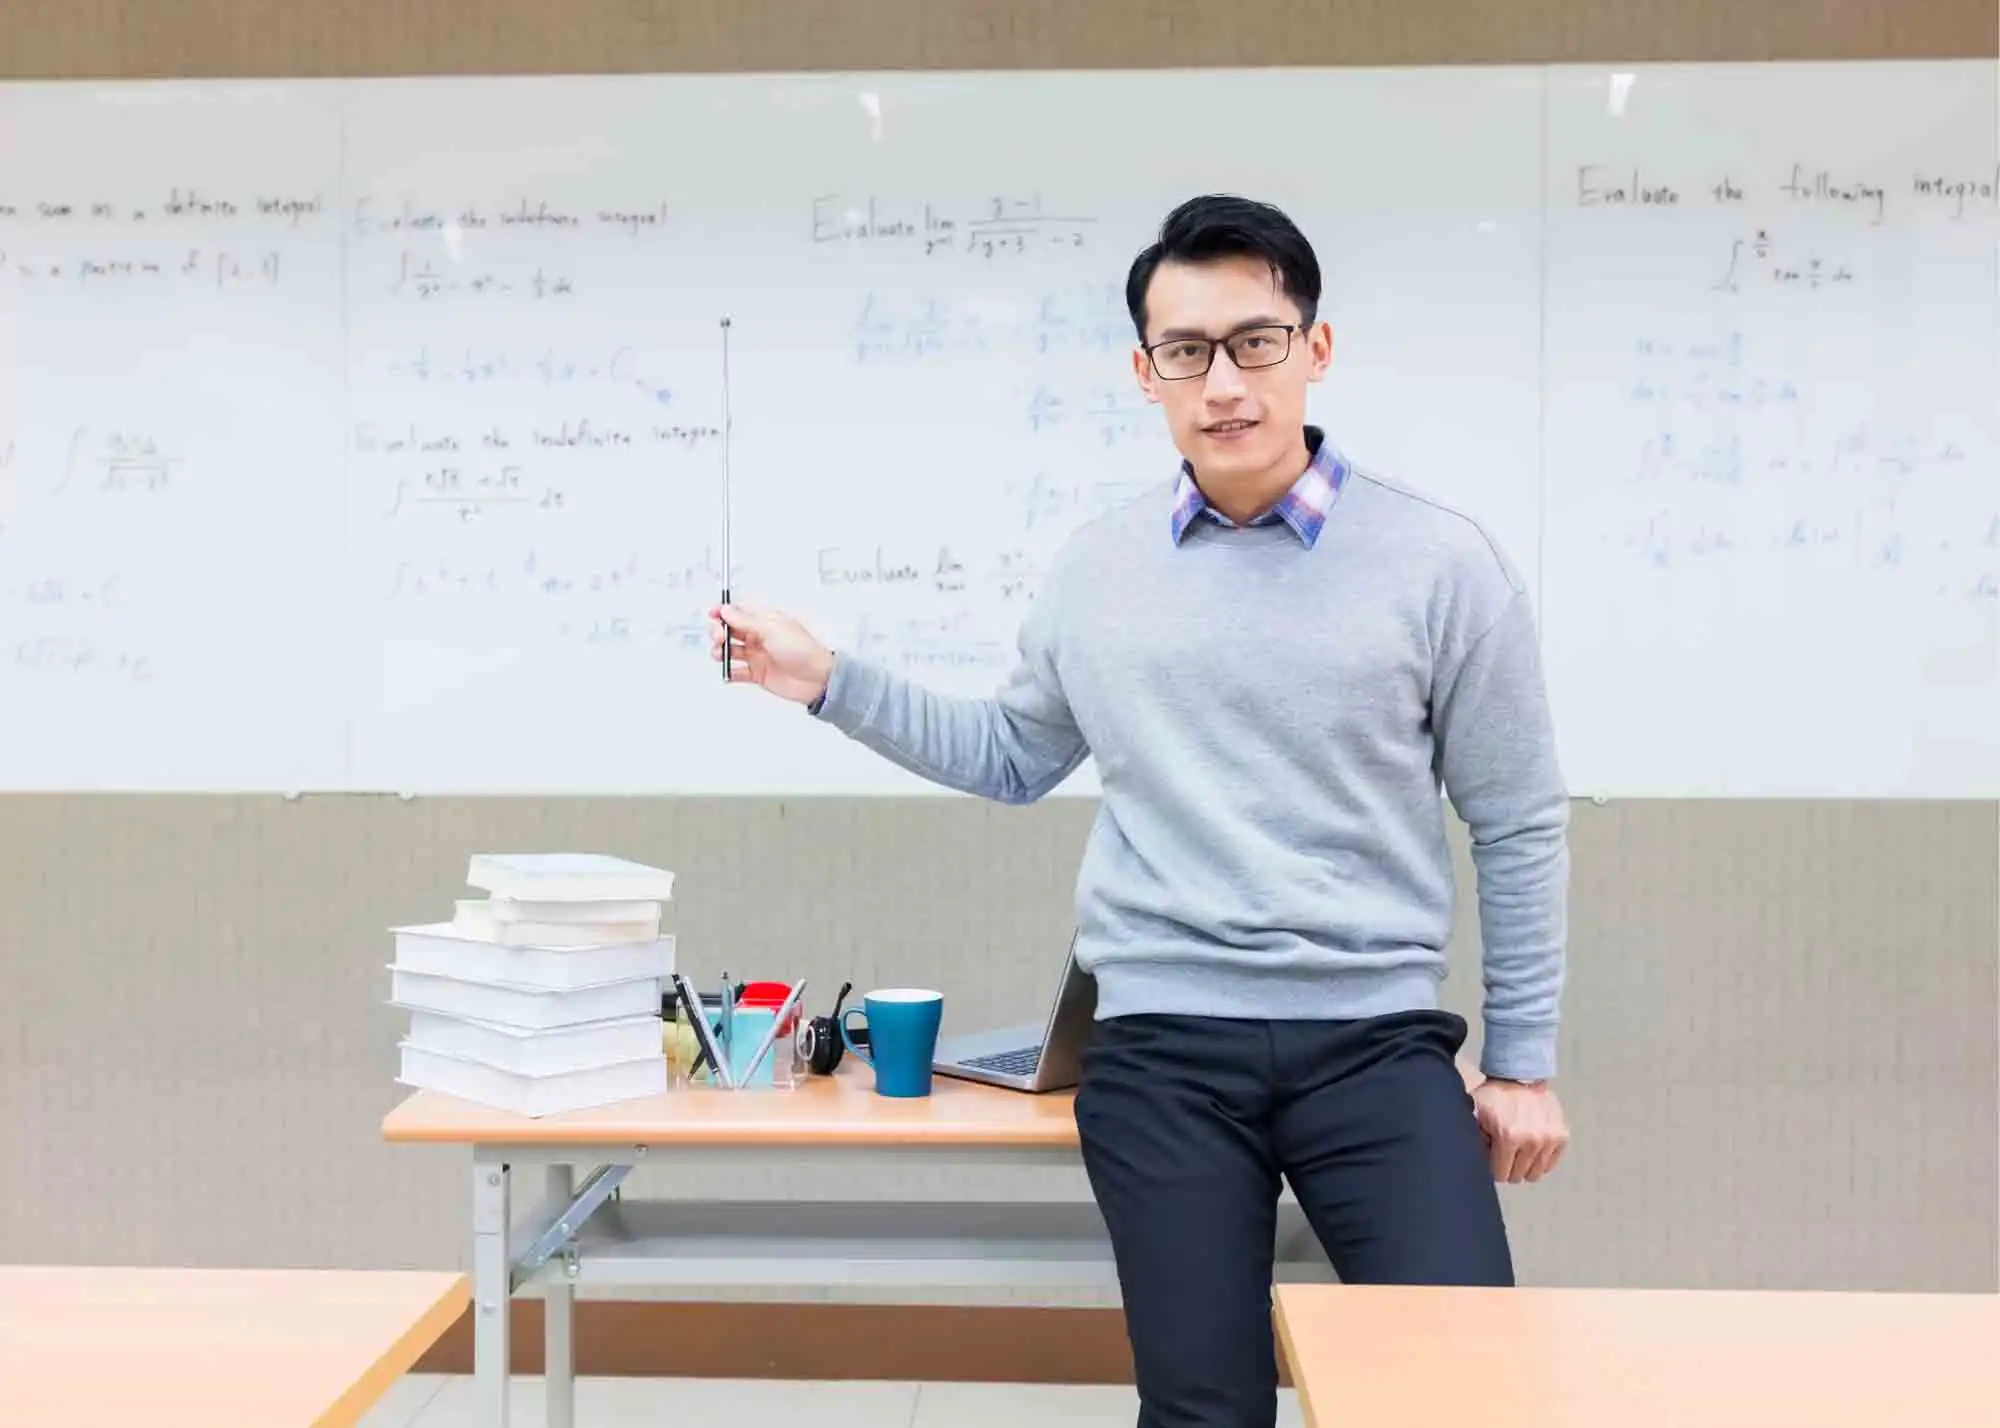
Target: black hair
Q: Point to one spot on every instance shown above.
(1214, 226)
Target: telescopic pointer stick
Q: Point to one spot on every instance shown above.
(728, 656)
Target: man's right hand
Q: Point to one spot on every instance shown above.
(770, 648)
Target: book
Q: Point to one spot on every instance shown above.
(584, 1047)
(509, 910)
(477, 917)
(446, 949)
(568, 877)
(529, 1008)
(532, 1095)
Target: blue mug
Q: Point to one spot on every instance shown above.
(902, 1038)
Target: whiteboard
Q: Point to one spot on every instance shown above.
(171, 400)
(419, 489)
(1771, 565)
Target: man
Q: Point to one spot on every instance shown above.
(1275, 659)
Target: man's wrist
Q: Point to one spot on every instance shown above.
(818, 701)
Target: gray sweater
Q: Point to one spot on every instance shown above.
(1271, 718)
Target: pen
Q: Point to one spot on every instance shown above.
(701, 1043)
(785, 1009)
(729, 1023)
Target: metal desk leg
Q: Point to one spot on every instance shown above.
(559, 1321)
(492, 1295)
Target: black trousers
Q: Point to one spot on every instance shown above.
(1187, 1125)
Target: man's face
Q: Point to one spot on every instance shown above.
(1239, 419)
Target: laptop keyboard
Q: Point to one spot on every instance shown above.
(1007, 1063)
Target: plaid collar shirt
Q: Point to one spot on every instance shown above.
(1304, 507)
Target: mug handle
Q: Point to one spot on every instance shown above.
(847, 1036)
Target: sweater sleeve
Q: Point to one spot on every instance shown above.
(1013, 747)
(1497, 757)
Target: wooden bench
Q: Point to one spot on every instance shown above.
(1639, 1358)
(212, 1348)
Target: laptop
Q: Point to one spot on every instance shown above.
(1037, 1056)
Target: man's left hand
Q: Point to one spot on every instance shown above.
(1524, 1128)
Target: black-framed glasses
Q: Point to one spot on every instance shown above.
(1179, 358)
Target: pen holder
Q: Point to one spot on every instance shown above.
(753, 1033)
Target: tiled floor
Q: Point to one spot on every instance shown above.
(428, 1402)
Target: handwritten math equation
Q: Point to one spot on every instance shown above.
(1747, 467)
(1111, 416)
(199, 269)
(1720, 415)
(1759, 260)
(1010, 573)
(534, 575)
(1040, 502)
(1707, 374)
(116, 463)
(63, 591)
(1951, 564)
(915, 643)
(620, 368)
(79, 656)
(905, 326)
(638, 599)
(999, 227)
(422, 279)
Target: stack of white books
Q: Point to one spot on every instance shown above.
(543, 996)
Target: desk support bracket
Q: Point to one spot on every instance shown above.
(601, 1185)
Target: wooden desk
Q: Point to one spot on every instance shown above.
(578, 1237)
(826, 1111)
(1636, 1358)
(211, 1348)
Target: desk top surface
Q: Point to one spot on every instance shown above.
(836, 1110)
(1639, 1358)
(212, 1348)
